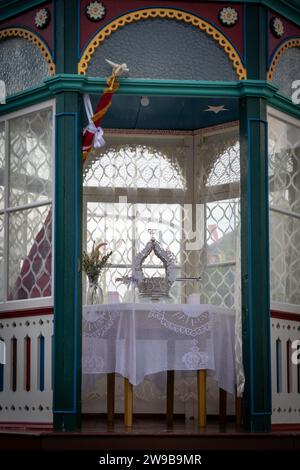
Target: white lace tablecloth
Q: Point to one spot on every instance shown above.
(136, 340)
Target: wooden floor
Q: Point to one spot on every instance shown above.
(150, 434)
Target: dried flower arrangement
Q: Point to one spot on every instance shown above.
(94, 263)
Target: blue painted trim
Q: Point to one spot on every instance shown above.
(268, 257)
(76, 256)
(26, 28)
(1, 377)
(18, 9)
(245, 62)
(52, 357)
(159, 7)
(250, 121)
(78, 37)
(42, 363)
(278, 366)
(267, 43)
(54, 30)
(73, 410)
(279, 46)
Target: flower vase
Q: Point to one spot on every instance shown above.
(94, 293)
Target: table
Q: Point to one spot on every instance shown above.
(136, 340)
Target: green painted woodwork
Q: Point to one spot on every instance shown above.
(80, 84)
(68, 231)
(256, 33)
(63, 82)
(26, 98)
(9, 8)
(66, 34)
(282, 103)
(67, 262)
(255, 264)
(255, 233)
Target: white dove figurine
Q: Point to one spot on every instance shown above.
(118, 69)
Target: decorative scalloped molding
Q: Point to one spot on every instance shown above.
(29, 36)
(289, 44)
(162, 13)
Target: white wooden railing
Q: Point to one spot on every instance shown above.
(285, 330)
(26, 377)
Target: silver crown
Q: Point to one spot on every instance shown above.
(157, 286)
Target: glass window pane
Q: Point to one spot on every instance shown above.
(285, 258)
(22, 65)
(287, 71)
(158, 167)
(30, 158)
(2, 163)
(218, 285)
(284, 197)
(152, 49)
(222, 220)
(1, 257)
(30, 253)
(284, 165)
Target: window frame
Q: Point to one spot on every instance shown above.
(286, 118)
(37, 302)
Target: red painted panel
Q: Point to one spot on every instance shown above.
(206, 10)
(286, 427)
(26, 20)
(285, 315)
(34, 312)
(291, 30)
(14, 343)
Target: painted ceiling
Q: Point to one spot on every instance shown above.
(173, 113)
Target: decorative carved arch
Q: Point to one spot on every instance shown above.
(169, 13)
(289, 44)
(29, 36)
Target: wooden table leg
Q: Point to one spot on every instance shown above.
(128, 403)
(238, 411)
(222, 406)
(170, 398)
(201, 382)
(110, 398)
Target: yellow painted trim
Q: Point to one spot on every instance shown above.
(289, 44)
(24, 33)
(161, 13)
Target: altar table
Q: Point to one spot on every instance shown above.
(139, 339)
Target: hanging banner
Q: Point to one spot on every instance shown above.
(93, 133)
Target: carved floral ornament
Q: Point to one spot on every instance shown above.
(277, 27)
(95, 11)
(228, 16)
(42, 18)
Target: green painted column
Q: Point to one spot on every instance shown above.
(255, 233)
(67, 230)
